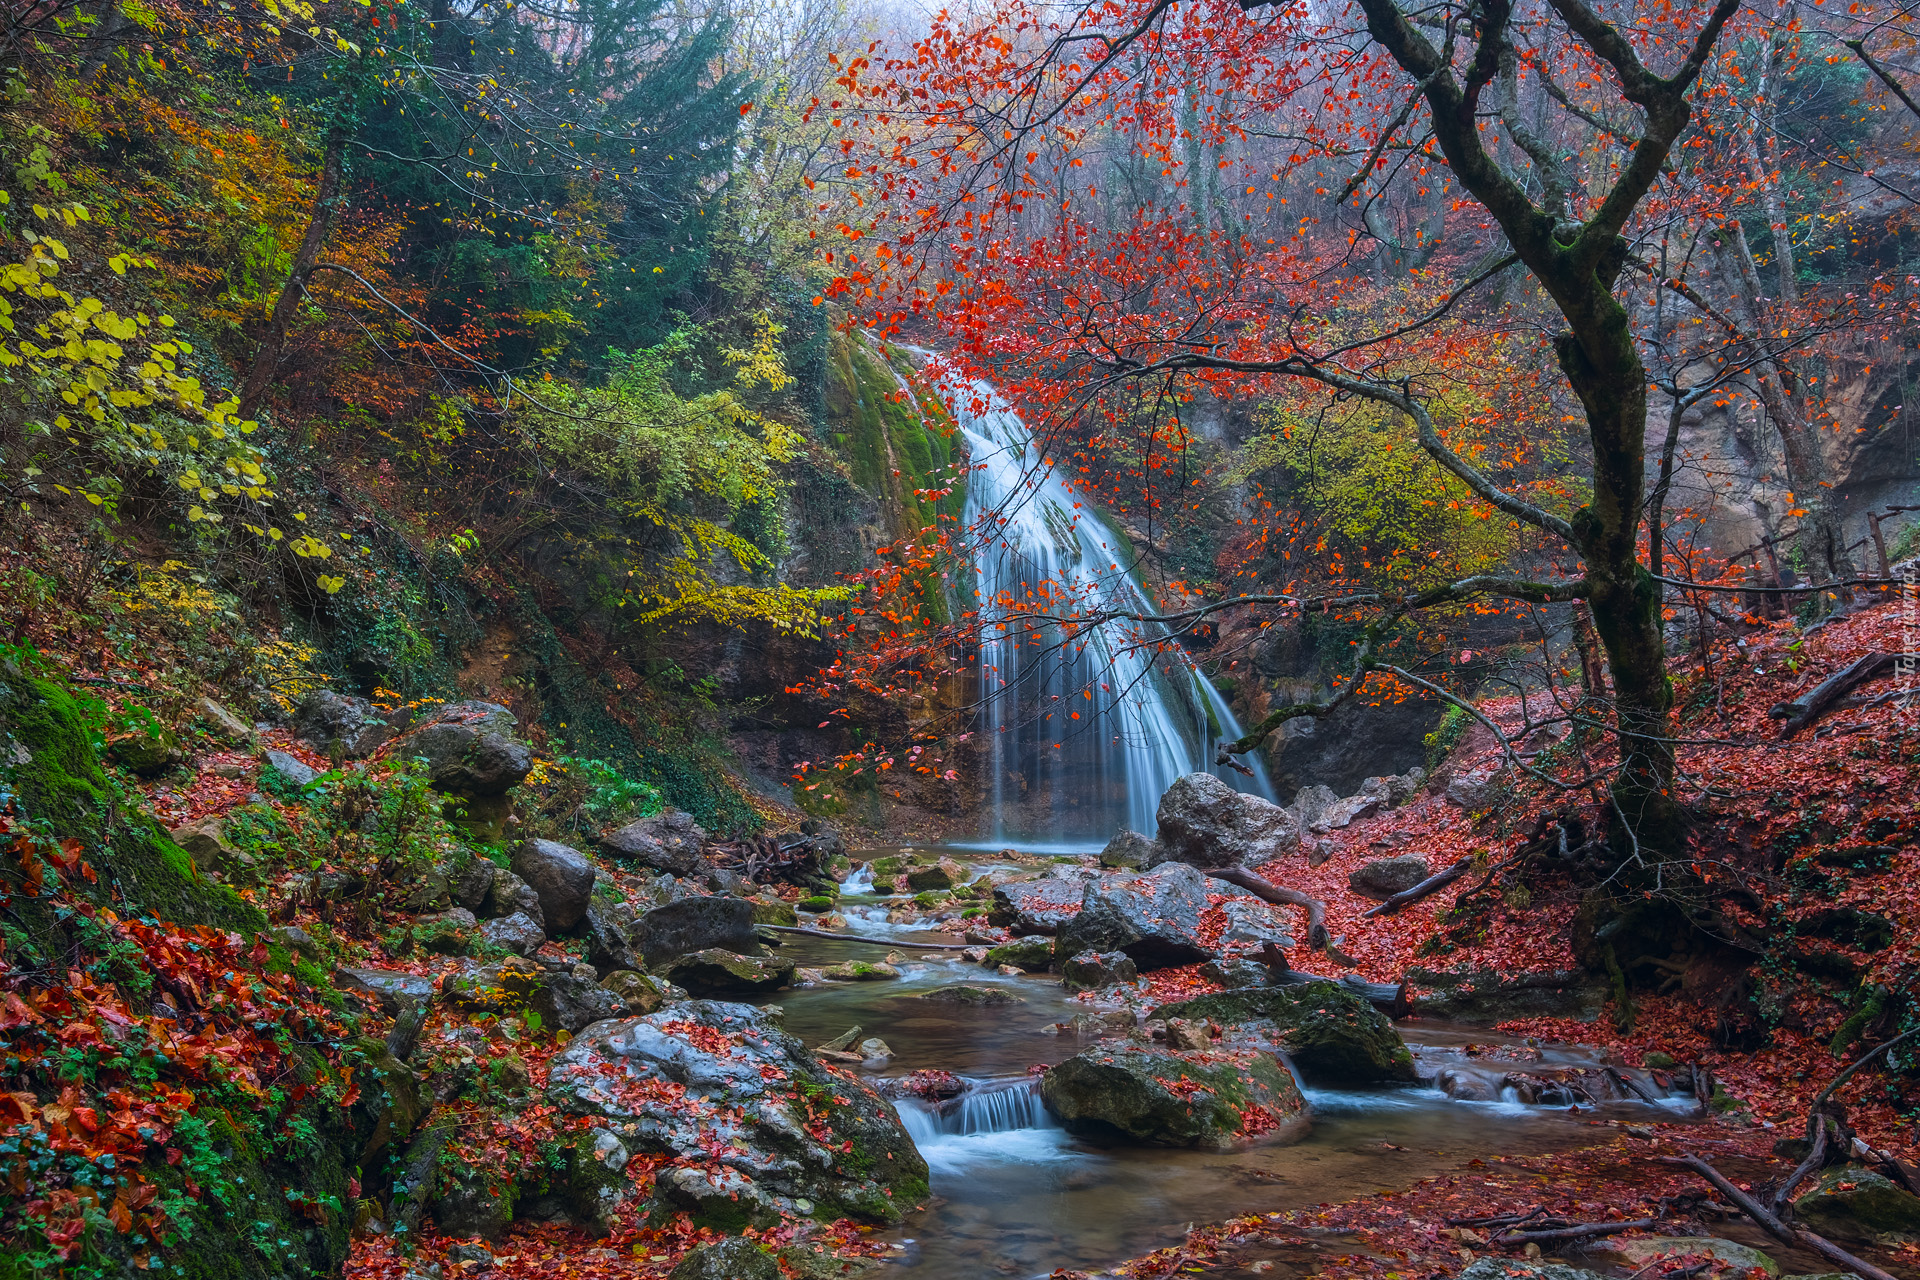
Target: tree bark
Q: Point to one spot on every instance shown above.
(325, 201)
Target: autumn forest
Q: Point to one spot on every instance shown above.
(736, 639)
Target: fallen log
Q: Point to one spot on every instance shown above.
(1817, 701)
(1432, 884)
(1261, 887)
(1578, 1231)
(1767, 1221)
(898, 944)
(1394, 1001)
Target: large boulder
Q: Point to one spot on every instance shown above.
(1153, 917)
(469, 749)
(1310, 805)
(1384, 877)
(1333, 1035)
(561, 877)
(722, 1092)
(471, 883)
(1639, 1254)
(1164, 1098)
(291, 769)
(696, 924)
(668, 841)
(1032, 953)
(519, 933)
(1206, 823)
(327, 721)
(1248, 926)
(1037, 906)
(717, 972)
(1855, 1204)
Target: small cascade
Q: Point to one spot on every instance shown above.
(983, 1125)
(860, 882)
(1082, 737)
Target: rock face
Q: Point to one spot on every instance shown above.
(1855, 1204)
(206, 842)
(1384, 877)
(1475, 792)
(1206, 823)
(1092, 970)
(668, 841)
(611, 930)
(1332, 1034)
(1154, 918)
(507, 895)
(1310, 805)
(575, 1003)
(325, 719)
(469, 749)
(719, 972)
(1521, 1269)
(1131, 849)
(1165, 1098)
(562, 878)
(753, 1123)
(696, 924)
(1249, 926)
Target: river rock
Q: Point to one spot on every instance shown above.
(735, 1258)
(668, 841)
(696, 923)
(1033, 954)
(469, 749)
(1206, 823)
(294, 771)
(1346, 811)
(1236, 975)
(1384, 877)
(944, 874)
(968, 994)
(1331, 1033)
(1641, 1252)
(1165, 1098)
(717, 971)
(393, 989)
(1130, 849)
(1037, 906)
(325, 720)
(1855, 1204)
(774, 911)
(765, 1115)
(1395, 789)
(1154, 917)
(574, 1002)
(859, 971)
(1093, 970)
(561, 877)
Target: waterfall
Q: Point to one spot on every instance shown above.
(1081, 739)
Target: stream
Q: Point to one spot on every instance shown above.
(1015, 1195)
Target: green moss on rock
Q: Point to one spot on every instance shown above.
(1331, 1033)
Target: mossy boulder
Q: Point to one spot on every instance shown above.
(860, 971)
(1163, 1098)
(736, 1258)
(941, 875)
(1856, 1204)
(965, 993)
(718, 972)
(818, 904)
(1033, 954)
(745, 1141)
(1333, 1036)
(1639, 1254)
(148, 752)
(774, 911)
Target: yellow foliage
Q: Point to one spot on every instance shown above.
(165, 590)
(285, 670)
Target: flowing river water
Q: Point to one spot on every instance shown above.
(1015, 1195)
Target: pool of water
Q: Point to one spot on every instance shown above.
(1015, 1195)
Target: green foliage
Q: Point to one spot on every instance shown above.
(1446, 735)
(583, 794)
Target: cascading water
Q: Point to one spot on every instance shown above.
(993, 1125)
(1082, 737)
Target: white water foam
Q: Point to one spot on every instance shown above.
(985, 1126)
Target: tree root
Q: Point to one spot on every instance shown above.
(1770, 1222)
(1261, 887)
